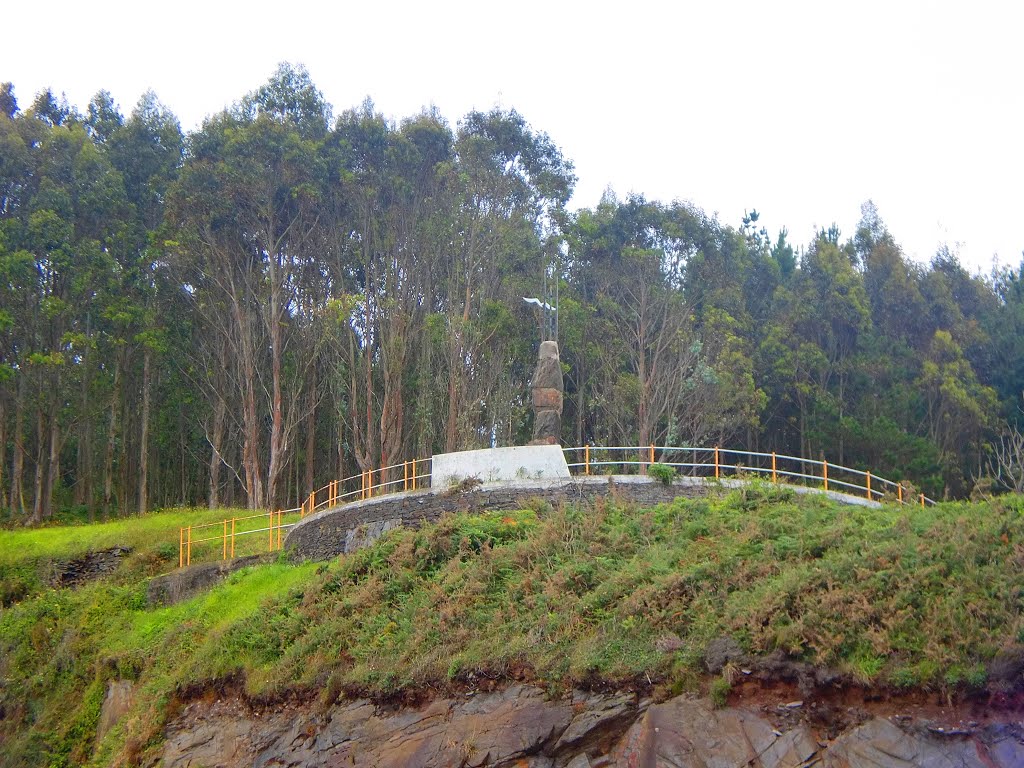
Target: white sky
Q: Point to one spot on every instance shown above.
(802, 110)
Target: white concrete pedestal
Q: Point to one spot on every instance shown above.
(499, 465)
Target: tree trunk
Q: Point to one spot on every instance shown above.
(122, 465)
(108, 461)
(37, 499)
(53, 472)
(3, 447)
(311, 434)
(182, 454)
(393, 364)
(144, 440)
(17, 496)
(341, 443)
(250, 423)
(83, 479)
(216, 445)
(277, 446)
(451, 432)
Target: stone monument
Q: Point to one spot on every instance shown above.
(546, 387)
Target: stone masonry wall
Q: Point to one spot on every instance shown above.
(332, 532)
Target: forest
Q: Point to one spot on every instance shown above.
(236, 316)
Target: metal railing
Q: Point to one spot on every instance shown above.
(237, 536)
(229, 537)
(721, 462)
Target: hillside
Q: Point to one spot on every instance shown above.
(725, 596)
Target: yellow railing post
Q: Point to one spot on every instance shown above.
(405, 475)
(824, 471)
(232, 538)
(775, 479)
(279, 529)
(586, 459)
(181, 547)
(414, 474)
(224, 548)
(651, 461)
(716, 462)
(270, 529)
(867, 475)
(188, 547)
(899, 492)
(922, 499)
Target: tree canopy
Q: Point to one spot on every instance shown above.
(283, 297)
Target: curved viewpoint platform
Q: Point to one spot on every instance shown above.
(336, 531)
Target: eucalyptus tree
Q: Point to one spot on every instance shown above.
(651, 368)
(246, 210)
(512, 185)
(808, 352)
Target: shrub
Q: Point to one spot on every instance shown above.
(719, 692)
(662, 472)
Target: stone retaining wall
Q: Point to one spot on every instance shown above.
(343, 529)
(332, 532)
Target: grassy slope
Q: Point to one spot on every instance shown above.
(897, 597)
(25, 553)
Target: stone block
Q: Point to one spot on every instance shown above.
(548, 350)
(547, 424)
(547, 399)
(547, 374)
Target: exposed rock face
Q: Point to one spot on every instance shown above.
(118, 701)
(520, 726)
(546, 386)
(517, 726)
(92, 565)
(183, 583)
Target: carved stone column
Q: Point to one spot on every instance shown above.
(546, 388)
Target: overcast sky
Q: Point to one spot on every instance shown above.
(800, 110)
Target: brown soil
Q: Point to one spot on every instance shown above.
(834, 709)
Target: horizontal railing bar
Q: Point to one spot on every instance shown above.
(239, 519)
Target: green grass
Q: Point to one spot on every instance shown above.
(901, 597)
(27, 553)
(148, 531)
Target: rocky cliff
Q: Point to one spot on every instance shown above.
(521, 726)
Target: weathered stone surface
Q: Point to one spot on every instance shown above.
(547, 428)
(506, 728)
(547, 374)
(183, 583)
(684, 732)
(332, 532)
(119, 699)
(91, 565)
(547, 398)
(722, 651)
(520, 727)
(367, 533)
(598, 723)
(880, 743)
(548, 350)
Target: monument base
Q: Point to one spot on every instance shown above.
(499, 465)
